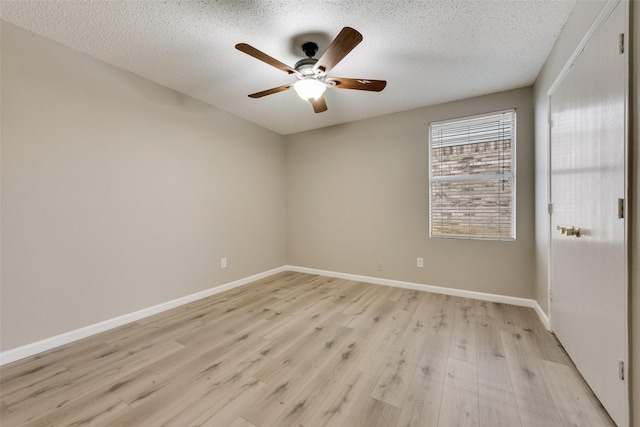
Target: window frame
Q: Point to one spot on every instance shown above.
(478, 177)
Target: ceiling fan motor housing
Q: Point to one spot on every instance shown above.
(305, 66)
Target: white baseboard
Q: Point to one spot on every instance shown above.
(67, 337)
(523, 302)
(544, 318)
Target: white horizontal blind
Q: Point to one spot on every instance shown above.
(472, 177)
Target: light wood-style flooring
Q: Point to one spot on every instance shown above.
(304, 350)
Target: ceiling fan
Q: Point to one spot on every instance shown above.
(312, 72)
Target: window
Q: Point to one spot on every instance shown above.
(472, 177)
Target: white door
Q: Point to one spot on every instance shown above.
(588, 170)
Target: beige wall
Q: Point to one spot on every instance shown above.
(357, 195)
(119, 194)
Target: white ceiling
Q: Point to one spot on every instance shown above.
(429, 51)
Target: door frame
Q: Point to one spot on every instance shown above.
(597, 24)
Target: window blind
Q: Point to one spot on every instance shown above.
(472, 177)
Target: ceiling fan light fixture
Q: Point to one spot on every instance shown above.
(309, 89)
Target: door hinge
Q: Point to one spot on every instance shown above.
(549, 208)
(621, 370)
(621, 44)
(620, 208)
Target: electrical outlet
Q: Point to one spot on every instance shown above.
(380, 266)
(223, 263)
(420, 262)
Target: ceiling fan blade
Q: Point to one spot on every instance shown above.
(338, 49)
(319, 105)
(252, 51)
(270, 91)
(358, 84)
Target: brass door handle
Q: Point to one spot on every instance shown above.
(570, 231)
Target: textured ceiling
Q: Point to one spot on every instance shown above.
(429, 51)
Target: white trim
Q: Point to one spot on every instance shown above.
(67, 337)
(602, 17)
(544, 318)
(483, 296)
(606, 11)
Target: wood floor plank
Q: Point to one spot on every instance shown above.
(207, 371)
(498, 408)
(42, 379)
(376, 414)
(535, 404)
(299, 349)
(545, 344)
(425, 308)
(320, 344)
(463, 340)
(294, 300)
(295, 372)
(230, 399)
(371, 315)
(348, 292)
(142, 353)
(323, 384)
(240, 422)
(206, 354)
(269, 406)
(380, 342)
(167, 328)
(570, 395)
(421, 406)
(507, 317)
(398, 372)
(231, 323)
(344, 405)
(93, 409)
(59, 408)
(4, 411)
(319, 310)
(93, 377)
(183, 401)
(443, 313)
(493, 369)
(485, 309)
(409, 300)
(359, 303)
(460, 405)
(29, 369)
